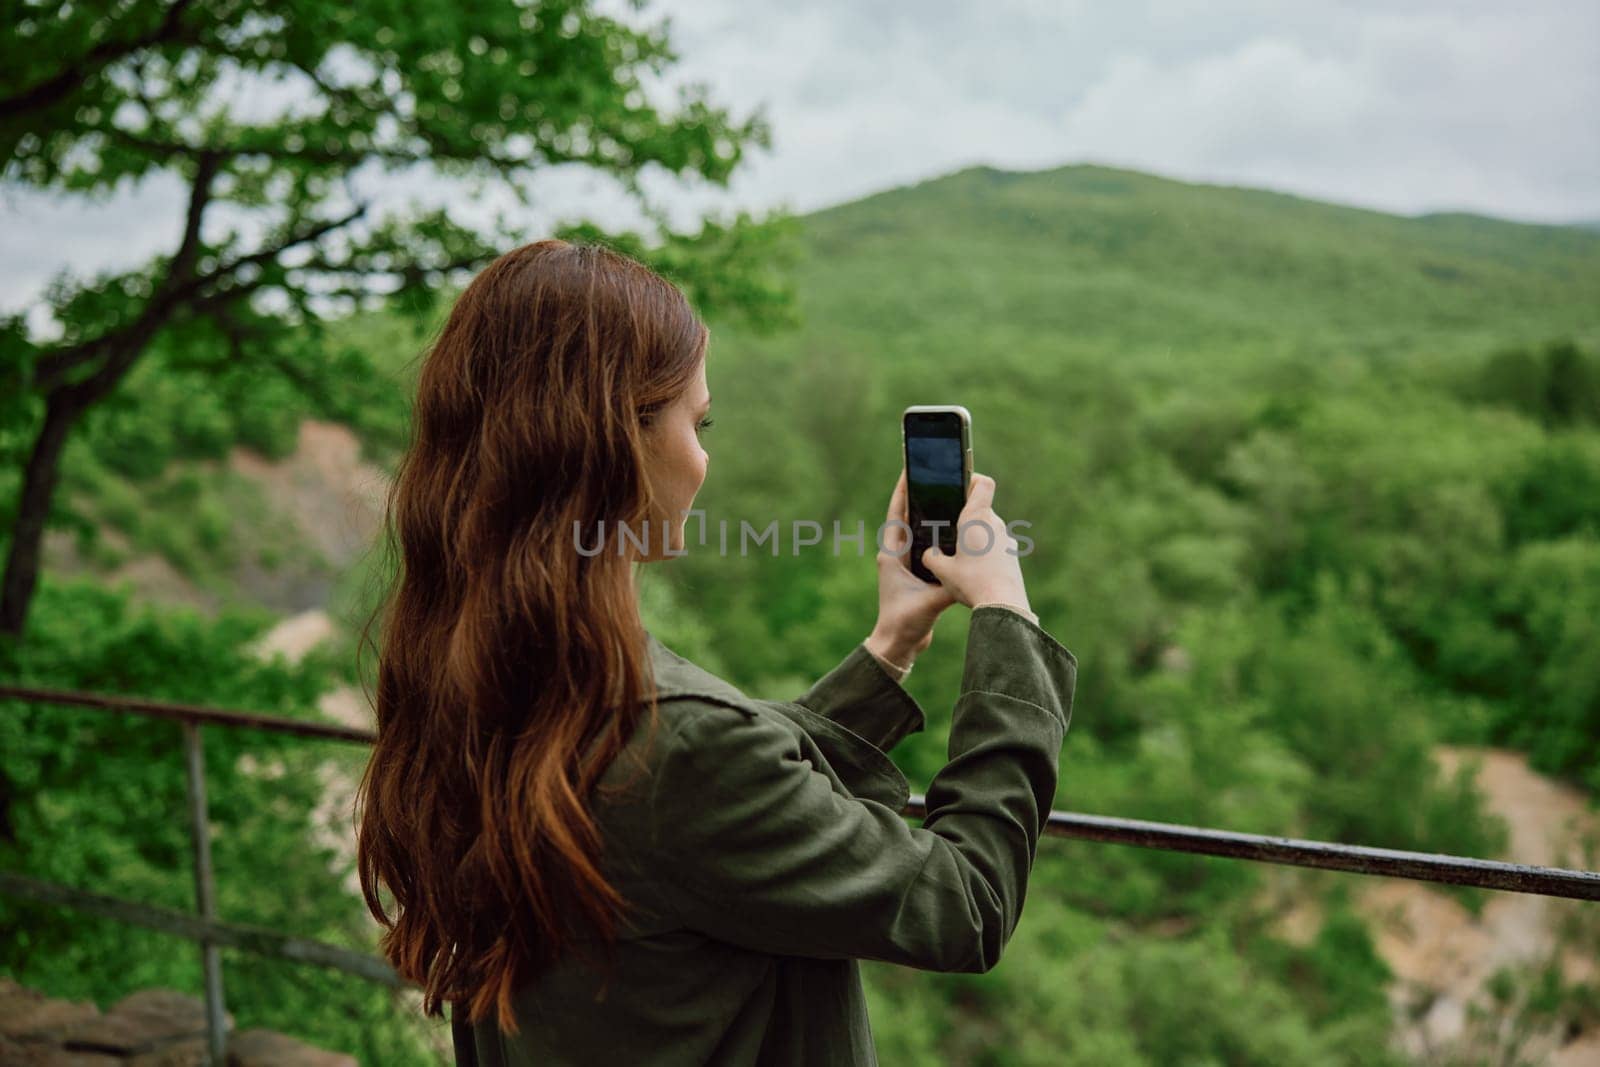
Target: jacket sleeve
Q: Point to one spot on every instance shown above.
(753, 846)
(861, 696)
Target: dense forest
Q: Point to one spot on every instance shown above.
(1312, 490)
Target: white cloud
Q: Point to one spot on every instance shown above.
(1494, 113)
(1436, 105)
(1266, 101)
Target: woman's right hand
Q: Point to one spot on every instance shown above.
(983, 569)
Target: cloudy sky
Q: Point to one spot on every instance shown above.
(1411, 107)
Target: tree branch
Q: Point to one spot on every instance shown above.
(322, 229)
(50, 370)
(158, 149)
(56, 88)
(168, 301)
(166, 149)
(183, 261)
(410, 273)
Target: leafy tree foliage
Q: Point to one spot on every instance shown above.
(276, 232)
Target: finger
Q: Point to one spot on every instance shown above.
(894, 534)
(980, 494)
(897, 499)
(942, 597)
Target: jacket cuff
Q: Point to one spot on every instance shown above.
(861, 695)
(895, 671)
(1008, 654)
(1030, 616)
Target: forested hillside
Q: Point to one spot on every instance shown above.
(1312, 491)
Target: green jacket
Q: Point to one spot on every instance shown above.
(764, 851)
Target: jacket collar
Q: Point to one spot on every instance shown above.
(865, 769)
(676, 676)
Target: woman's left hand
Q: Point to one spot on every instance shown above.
(907, 606)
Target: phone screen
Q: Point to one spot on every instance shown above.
(936, 482)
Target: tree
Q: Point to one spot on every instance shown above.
(1557, 383)
(276, 236)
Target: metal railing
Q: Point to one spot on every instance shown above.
(213, 934)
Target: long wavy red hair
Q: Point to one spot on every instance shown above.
(512, 666)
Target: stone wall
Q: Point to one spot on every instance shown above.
(150, 1028)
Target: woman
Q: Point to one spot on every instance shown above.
(597, 852)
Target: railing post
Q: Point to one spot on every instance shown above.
(205, 894)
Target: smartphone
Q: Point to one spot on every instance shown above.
(937, 440)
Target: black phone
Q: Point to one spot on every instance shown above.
(937, 440)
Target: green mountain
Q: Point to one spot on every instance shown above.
(1206, 400)
(1095, 255)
